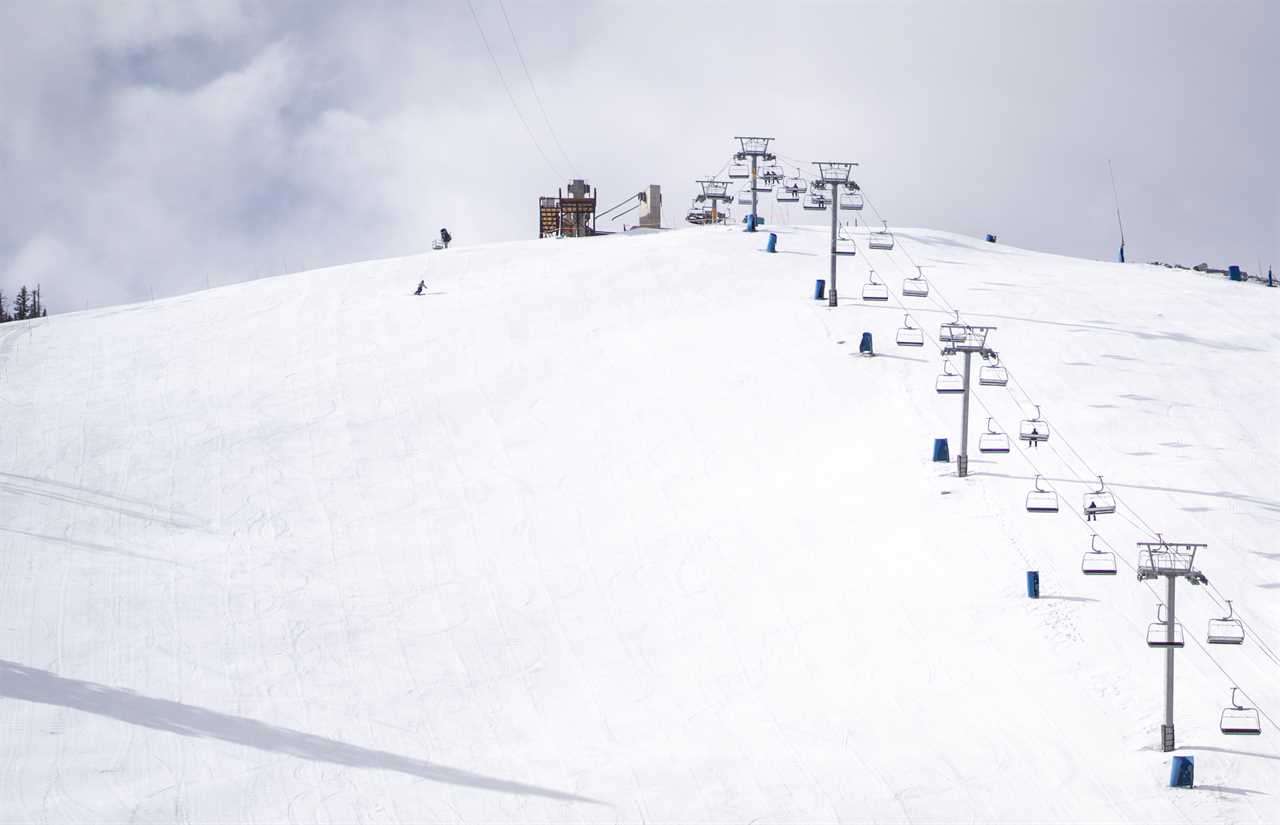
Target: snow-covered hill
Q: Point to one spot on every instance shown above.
(625, 530)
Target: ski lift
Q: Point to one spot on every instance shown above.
(1098, 562)
(909, 336)
(916, 287)
(873, 290)
(1042, 501)
(798, 184)
(771, 172)
(949, 382)
(952, 333)
(744, 197)
(1034, 430)
(815, 202)
(1100, 502)
(845, 246)
(881, 239)
(1227, 630)
(739, 170)
(787, 194)
(851, 200)
(1239, 720)
(993, 441)
(764, 184)
(1159, 633)
(993, 375)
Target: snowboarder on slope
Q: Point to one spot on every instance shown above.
(445, 237)
(422, 285)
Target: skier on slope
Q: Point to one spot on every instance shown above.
(445, 237)
(422, 285)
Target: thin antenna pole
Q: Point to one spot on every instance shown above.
(1116, 196)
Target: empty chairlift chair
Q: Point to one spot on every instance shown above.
(1034, 430)
(881, 238)
(993, 375)
(1098, 562)
(949, 382)
(993, 441)
(1227, 630)
(873, 290)
(1161, 634)
(1239, 720)
(851, 200)
(1099, 502)
(908, 335)
(1042, 501)
(744, 197)
(739, 170)
(916, 287)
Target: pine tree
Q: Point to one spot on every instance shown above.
(4, 314)
(22, 304)
(34, 312)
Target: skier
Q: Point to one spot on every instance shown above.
(422, 285)
(445, 237)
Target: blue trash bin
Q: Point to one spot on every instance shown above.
(1183, 772)
(819, 289)
(751, 223)
(773, 242)
(864, 346)
(1233, 272)
(940, 451)
(1033, 584)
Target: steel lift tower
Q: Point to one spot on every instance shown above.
(1173, 561)
(833, 174)
(715, 191)
(958, 338)
(757, 149)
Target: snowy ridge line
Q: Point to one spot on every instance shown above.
(1267, 652)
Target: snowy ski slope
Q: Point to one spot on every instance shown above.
(624, 530)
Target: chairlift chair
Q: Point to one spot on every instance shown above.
(993, 375)
(1098, 562)
(1239, 720)
(787, 194)
(873, 290)
(739, 170)
(1159, 635)
(1034, 430)
(799, 184)
(815, 202)
(845, 246)
(993, 441)
(908, 335)
(949, 382)
(1099, 502)
(881, 238)
(851, 200)
(744, 197)
(916, 287)
(1227, 630)
(764, 184)
(1042, 501)
(953, 332)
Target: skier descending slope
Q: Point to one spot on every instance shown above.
(422, 285)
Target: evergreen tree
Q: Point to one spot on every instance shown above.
(35, 303)
(22, 304)
(4, 314)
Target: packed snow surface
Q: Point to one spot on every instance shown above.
(624, 529)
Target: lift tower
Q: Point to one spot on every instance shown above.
(957, 338)
(756, 148)
(1173, 560)
(717, 192)
(834, 174)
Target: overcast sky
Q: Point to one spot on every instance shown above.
(151, 147)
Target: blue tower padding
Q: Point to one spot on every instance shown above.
(1033, 584)
(864, 346)
(991, 238)
(1233, 272)
(819, 289)
(940, 451)
(1183, 772)
(773, 242)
